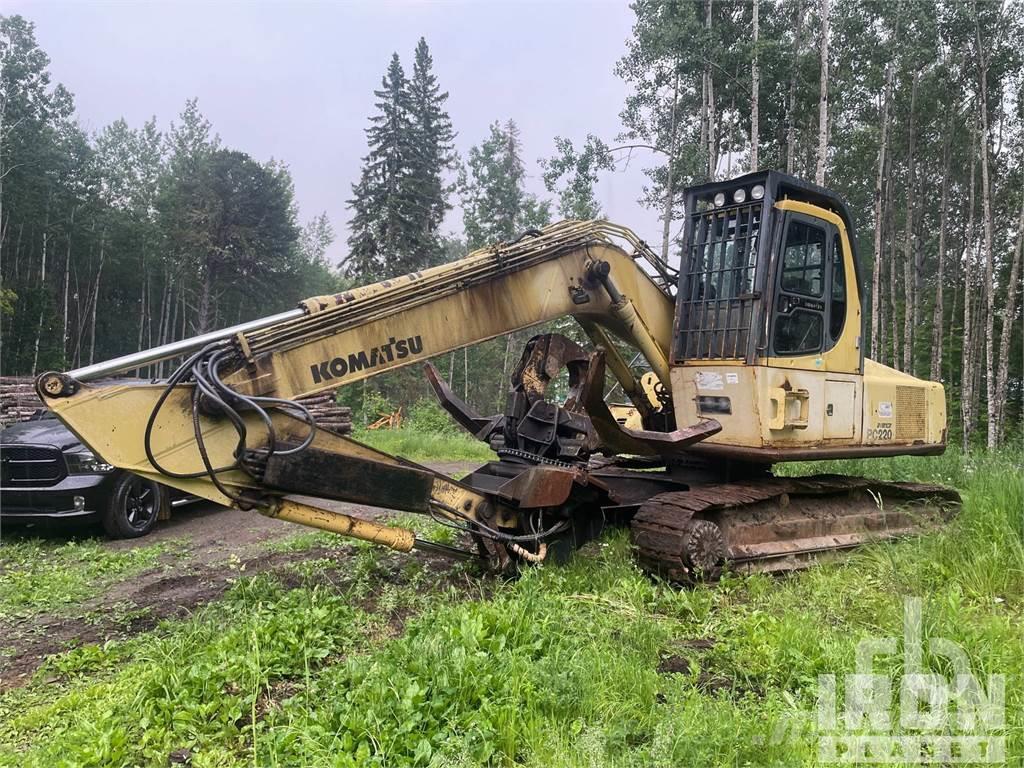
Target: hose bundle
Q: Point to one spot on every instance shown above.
(211, 394)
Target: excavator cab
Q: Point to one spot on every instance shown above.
(768, 331)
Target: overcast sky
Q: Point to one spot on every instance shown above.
(294, 81)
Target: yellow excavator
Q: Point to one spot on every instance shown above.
(750, 354)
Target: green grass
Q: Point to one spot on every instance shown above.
(199, 683)
(588, 664)
(38, 576)
(417, 445)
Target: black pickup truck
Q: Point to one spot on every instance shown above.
(46, 474)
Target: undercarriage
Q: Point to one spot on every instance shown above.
(690, 518)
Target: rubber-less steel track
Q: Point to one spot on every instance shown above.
(779, 524)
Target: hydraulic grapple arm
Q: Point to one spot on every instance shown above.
(224, 427)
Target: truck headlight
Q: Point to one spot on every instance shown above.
(86, 463)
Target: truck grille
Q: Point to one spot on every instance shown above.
(35, 466)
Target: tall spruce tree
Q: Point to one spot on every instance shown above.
(495, 204)
(384, 223)
(433, 140)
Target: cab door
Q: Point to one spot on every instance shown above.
(802, 290)
(815, 387)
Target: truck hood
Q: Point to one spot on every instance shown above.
(40, 432)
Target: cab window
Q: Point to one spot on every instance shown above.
(803, 259)
(837, 304)
(800, 308)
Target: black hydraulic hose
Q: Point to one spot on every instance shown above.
(203, 368)
(173, 380)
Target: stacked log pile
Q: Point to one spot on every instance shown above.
(18, 401)
(328, 414)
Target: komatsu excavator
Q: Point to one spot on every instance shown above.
(748, 355)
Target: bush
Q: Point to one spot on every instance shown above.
(428, 416)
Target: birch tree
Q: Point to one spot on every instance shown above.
(819, 174)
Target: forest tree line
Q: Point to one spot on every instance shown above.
(132, 237)
(911, 111)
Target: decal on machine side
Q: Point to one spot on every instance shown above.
(709, 380)
(338, 367)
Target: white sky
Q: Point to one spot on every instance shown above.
(295, 81)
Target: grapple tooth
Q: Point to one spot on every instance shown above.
(779, 524)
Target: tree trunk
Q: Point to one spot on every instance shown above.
(894, 321)
(876, 272)
(42, 286)
(161, 330)
(1009, 310)
(205, 298)
(502, 384)
(819, 174)
(712, 125)
(184, 314)
(938, 313)
(986, 205)
(96, 297)
(142, 305)
(67, 287)
(950, 371)
(670, 190)
(798, 26)
(755, 87)
(967, 345)
(908, 242)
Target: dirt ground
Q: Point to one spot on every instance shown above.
(210, 547)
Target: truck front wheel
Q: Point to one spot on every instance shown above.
(134, 506)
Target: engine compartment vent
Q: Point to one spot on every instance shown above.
(910, 414)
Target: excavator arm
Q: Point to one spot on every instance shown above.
(225, 425)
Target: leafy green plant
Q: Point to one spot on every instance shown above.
(38, 575)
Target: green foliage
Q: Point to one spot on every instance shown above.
(197, 685)
(401, 198)
(580, 169)
(576, 665)
(131, 237)
(234, 221)
(427, 415)
(426, 447)
(563, 667)
(433, 138)
(8, 299)
(495, 205)
(38, 576)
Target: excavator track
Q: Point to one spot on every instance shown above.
(779, 523)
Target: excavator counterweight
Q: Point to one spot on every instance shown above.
(747, 355)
